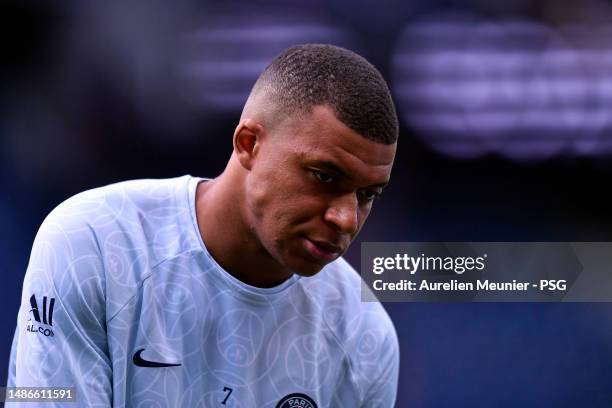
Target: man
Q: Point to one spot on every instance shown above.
(231, 291)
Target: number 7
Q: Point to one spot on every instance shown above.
(226, 389)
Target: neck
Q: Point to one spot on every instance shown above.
(228, 235)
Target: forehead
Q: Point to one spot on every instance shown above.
(320, 136)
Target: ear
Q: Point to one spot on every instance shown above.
(247, 141)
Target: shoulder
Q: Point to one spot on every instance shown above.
(145, 214)
(113, 236)
(119, 202)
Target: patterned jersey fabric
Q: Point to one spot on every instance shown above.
(122, 301)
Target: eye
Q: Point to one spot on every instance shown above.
(322, 177)
(369, 195)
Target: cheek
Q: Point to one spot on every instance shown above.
(281, 204)
(271, 196)
(265, 190)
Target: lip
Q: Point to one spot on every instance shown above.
(322, 250)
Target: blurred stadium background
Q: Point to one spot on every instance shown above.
(506, 135)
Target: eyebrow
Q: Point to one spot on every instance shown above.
(332, 167)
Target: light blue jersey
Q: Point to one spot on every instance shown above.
(122, 300)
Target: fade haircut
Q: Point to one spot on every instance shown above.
(308, 75)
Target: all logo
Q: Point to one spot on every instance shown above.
(296, 400)
(44, 316)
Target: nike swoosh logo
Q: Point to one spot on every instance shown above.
(141, 362)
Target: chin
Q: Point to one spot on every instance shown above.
(306, 269)
(307, 274)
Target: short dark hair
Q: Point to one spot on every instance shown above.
(308, 75)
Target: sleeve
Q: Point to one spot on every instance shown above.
(383, 390)
(60, 340)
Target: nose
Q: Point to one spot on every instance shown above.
(343, 213)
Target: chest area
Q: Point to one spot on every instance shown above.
(185, 341)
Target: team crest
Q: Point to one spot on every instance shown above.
(296, 400)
